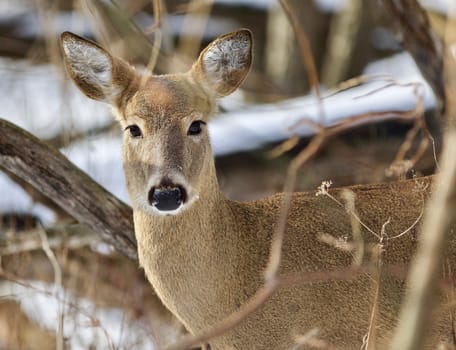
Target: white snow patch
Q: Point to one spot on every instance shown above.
(441, 6)
(12, 7)
(331, 5)
(256, 125)
(14, 199)
(39, 100)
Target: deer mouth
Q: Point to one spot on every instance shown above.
(167, 197)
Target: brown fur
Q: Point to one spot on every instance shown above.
(208, 259)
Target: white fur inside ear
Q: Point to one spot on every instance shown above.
(89, 64)
(226, 56)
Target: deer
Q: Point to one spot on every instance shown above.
(205, 254)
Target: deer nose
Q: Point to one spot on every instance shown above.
(166, 198)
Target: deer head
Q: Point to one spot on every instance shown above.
(166, 150)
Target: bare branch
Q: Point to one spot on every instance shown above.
(55, 176)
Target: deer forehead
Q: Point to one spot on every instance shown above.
(168, 97)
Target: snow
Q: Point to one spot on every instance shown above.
(331, 5)
(85, 325)
(441, 6)
(38, 99)
(256, 125)
(15, 200)
(9, 8)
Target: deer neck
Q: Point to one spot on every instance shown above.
(196, 251)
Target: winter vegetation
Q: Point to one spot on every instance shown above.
(371, 109)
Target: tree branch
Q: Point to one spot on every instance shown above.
(52, 174)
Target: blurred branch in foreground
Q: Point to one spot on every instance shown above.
(438, 223)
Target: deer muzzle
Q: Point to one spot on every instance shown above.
(167, 198)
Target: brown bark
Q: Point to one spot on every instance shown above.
(52, 174)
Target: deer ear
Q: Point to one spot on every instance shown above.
(224, 64)
(99, 75)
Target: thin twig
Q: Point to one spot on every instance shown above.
(359, 80)
(349, 197)
(58, 286)
(369, 340)
(158, 35)
(413, 225)
(323, 189)
(341, 274)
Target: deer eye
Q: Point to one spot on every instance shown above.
(195, 127)
(134, 130)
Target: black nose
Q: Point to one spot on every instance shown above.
(166, 198)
